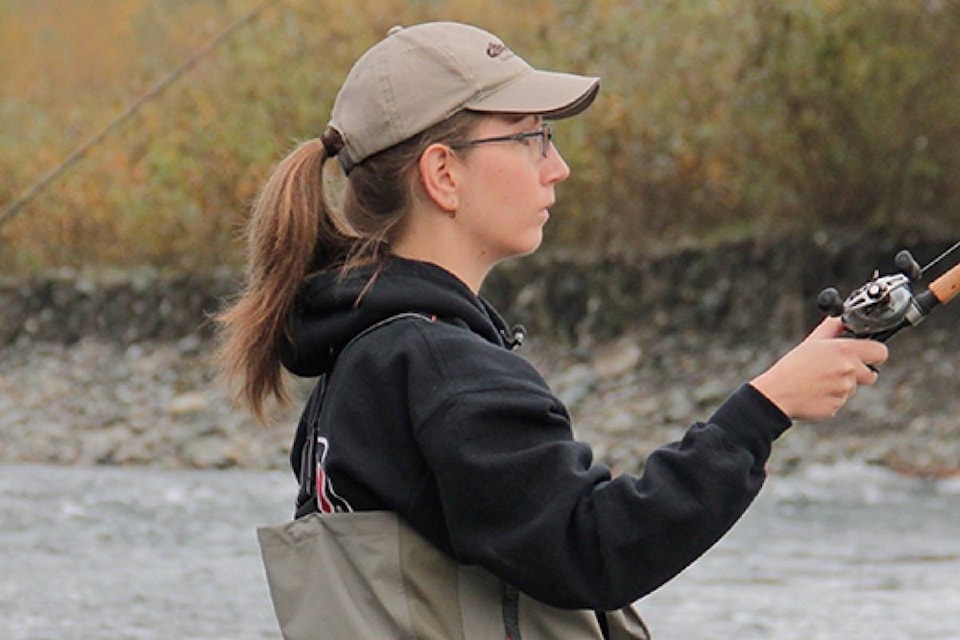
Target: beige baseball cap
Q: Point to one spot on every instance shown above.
(421, 75)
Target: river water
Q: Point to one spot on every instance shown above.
(845, 552)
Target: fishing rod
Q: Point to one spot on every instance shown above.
(14, 208)
(885, 305)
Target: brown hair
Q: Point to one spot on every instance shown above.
(294, 232)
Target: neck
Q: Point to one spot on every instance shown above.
(443, 253)
(436, 237)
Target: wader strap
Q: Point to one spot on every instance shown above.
(604, 624)
(511, 612)
(307, 498)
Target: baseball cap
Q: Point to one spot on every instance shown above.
(421, 75)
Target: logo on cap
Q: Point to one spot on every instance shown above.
(495, 49)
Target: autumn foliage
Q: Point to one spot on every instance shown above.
(717, 118)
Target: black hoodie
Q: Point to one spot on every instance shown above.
(431, 416)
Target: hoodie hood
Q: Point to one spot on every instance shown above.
(326, 315)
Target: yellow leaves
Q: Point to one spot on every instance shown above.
(711, 112)
(59, 45)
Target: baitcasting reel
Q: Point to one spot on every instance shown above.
(885, 305)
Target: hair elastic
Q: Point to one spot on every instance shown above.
(332, 141)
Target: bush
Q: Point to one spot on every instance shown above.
(859, 100)
(716, 119)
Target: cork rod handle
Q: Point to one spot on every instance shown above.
(946, 286)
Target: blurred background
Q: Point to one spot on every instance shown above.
(717, 119)
(742, 155)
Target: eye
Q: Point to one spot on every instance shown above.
(538, 138)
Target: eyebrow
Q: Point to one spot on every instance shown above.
(514, 119)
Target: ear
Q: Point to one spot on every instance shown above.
(438, 174)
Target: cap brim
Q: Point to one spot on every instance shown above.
(549, 94)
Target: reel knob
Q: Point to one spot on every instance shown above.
(907, 265)
(830, 302)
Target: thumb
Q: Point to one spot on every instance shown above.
(829, 328)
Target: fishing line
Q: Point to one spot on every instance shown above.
(17, 205)
(941, 257)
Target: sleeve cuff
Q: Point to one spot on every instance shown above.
(751, 419)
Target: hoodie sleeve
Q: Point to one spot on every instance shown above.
(526, 501)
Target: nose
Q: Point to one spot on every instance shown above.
(555, 168)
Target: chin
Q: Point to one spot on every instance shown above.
(533, 245)
(523, 244)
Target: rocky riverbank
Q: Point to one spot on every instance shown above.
(156, 403)
(122, 393)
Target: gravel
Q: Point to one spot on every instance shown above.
(96, 402)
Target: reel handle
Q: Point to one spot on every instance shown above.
(907, 265)
(830, 302)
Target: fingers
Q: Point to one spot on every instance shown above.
(870, 352)
(845, 387)
(867, 356)
(868, 374)
(817, 378)
(828, 328)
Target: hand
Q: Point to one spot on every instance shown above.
(815, 379)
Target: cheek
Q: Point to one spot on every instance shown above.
(512, 187)
(489, 194)
(499, 187)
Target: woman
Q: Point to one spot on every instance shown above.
(442, 493)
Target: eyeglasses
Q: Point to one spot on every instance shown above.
(544, 133)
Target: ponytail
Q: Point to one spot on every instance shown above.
(292, 232)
